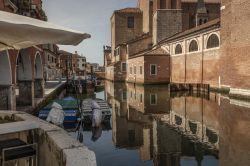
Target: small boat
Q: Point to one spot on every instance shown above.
(69, 106)
(56, 114)
(87, 110)
(72, 115)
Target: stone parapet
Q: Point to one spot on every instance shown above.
(55, 146)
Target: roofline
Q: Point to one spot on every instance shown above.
(183, 35)
(119, 11)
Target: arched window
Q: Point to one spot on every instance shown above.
(193, 46)
(178, 49)
(213, 41)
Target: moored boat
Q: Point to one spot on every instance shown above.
(87, 110)
(69, 106)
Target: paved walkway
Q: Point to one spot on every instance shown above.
(50, 86)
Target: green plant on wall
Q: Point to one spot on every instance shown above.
(43, 14)
(23, 4)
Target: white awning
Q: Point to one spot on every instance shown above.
(17, 32)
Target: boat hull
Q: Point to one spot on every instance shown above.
(70, 115)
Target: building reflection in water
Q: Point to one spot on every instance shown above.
(171, 128)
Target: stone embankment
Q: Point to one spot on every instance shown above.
(55, 146)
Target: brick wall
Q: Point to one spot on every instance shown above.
(188, 13)
(114, 72)
(190, 72)
(178, 69)
(166, 23)
(211, 67)
(234, 62)
(193, 68)
(140, 45)
(135, 62)
(163, 70)
(120, 32)
(147, 9)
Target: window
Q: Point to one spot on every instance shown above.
(141, 98)
(130, 70)
(178, 49)
(124, 95)
(213, 41)
(173, 4)
(118, 51)
(200, 21)
(193, 46)
(140, 70)
(134, 69)
(124, 67)
(153, 99)
(153, 70)
(131, 22)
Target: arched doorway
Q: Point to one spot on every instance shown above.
(24, 95)
(38, 75)
(5, 81)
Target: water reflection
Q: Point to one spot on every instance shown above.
(153, 127)
(166, 128)
(96, 133)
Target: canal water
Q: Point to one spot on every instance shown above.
(151, 126)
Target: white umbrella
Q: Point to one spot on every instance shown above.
(17, 32)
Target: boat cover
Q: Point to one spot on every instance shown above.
(56, 114)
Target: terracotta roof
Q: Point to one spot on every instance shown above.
(155, 51)
(209, 25)
(128, 10)
(138, 38)
(63, 52)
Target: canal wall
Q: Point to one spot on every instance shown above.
(55, 146)
(51, 95)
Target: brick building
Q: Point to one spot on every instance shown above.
(21, 71)
(51, 62)
(137, 53)
(65, 63)
(81, 66)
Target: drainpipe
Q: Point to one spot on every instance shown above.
(202, 59)
(170, 68)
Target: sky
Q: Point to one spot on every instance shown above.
(89, 16)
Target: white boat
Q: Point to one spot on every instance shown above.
(87, 110)
(56, 114)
